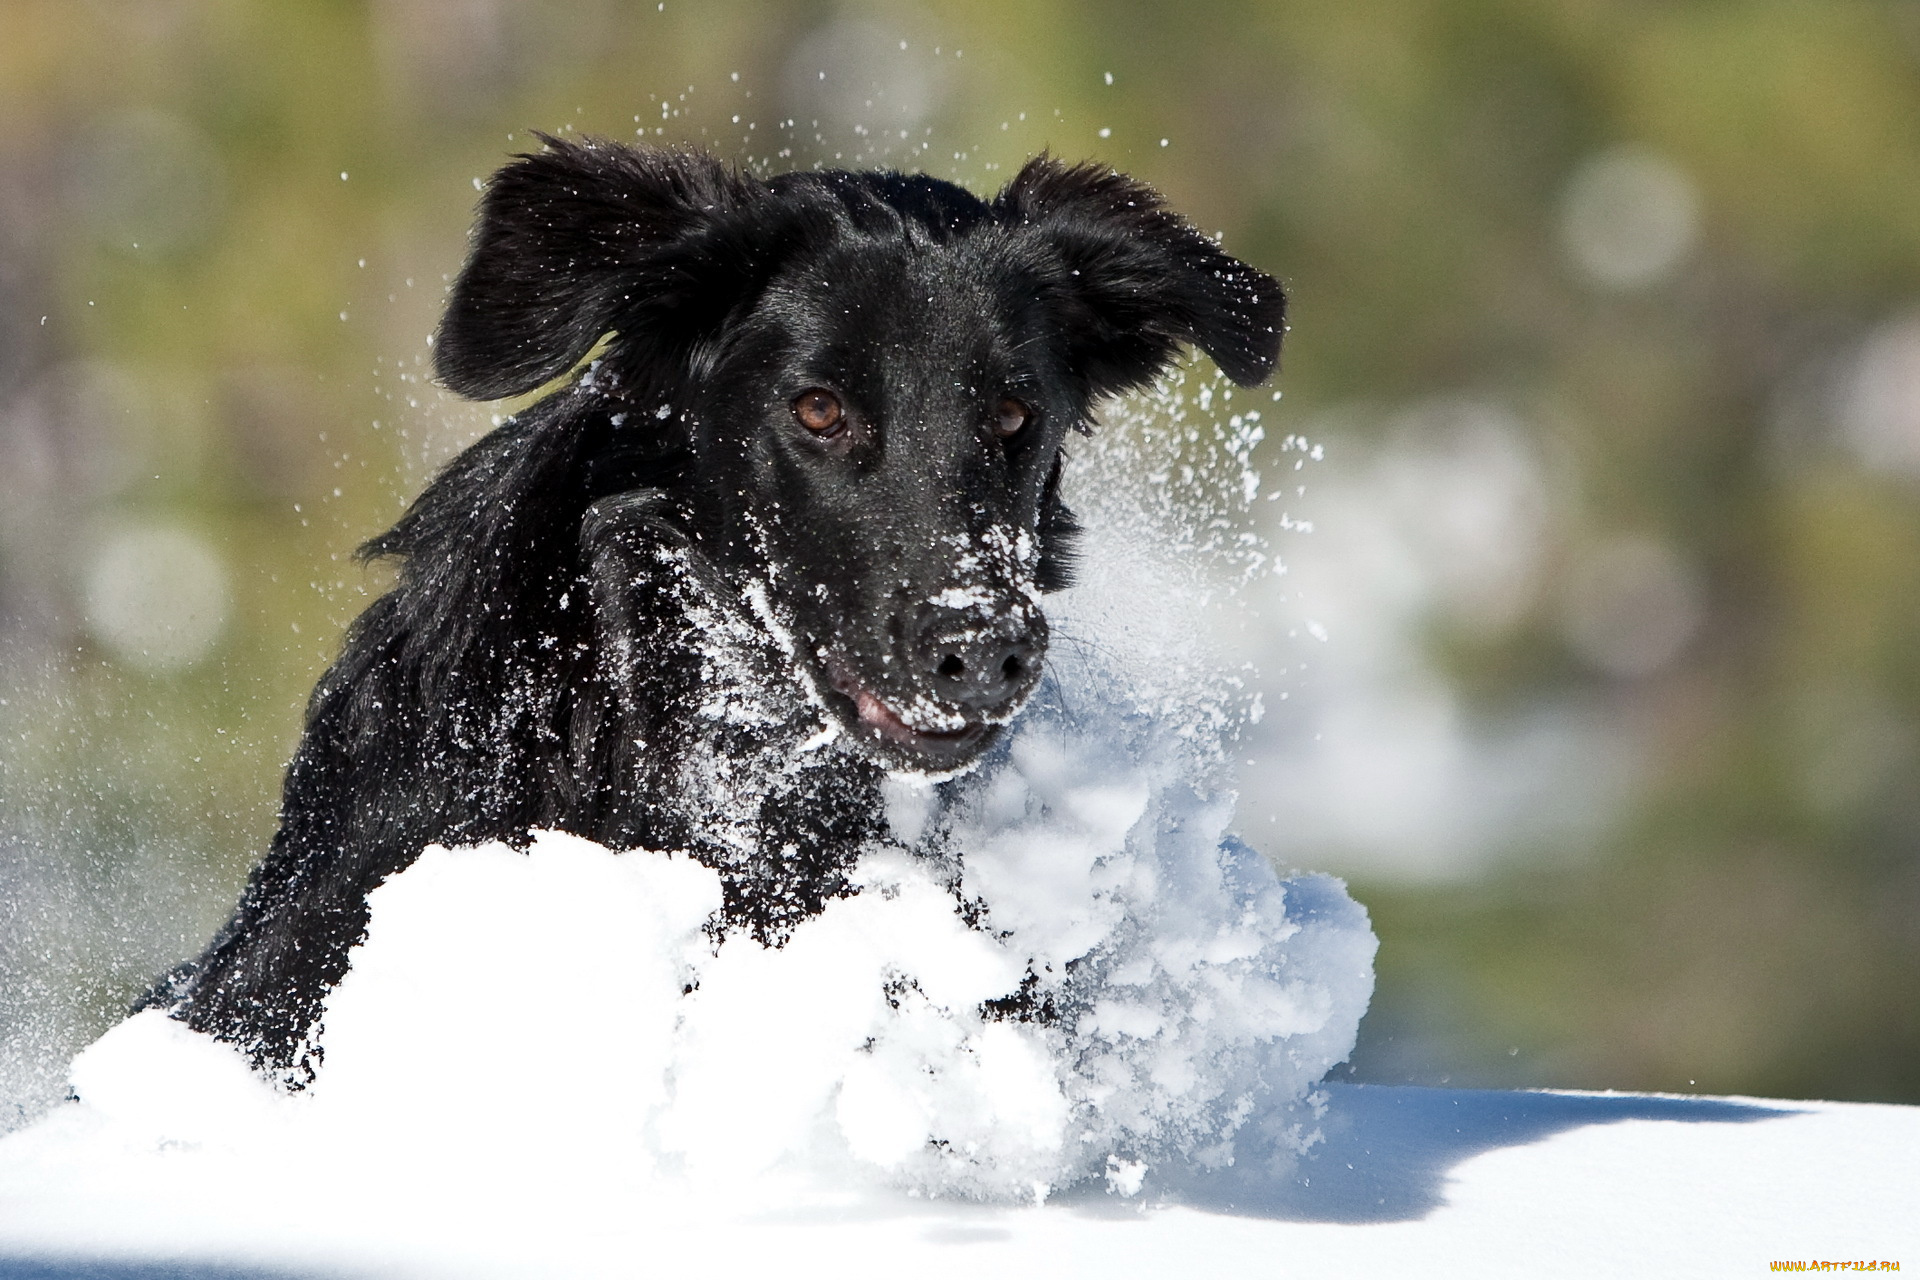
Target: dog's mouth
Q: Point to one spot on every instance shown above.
(926, 734)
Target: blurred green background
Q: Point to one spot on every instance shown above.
(1598, 674)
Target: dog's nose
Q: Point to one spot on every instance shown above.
(981, 663)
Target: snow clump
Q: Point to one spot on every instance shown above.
(1077, 974)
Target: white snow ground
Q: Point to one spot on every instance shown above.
(1409, 1182)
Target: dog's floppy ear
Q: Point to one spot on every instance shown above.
(589, 237)
(1133, 280)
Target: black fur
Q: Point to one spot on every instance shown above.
(641, 609)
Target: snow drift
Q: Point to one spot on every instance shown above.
(1096, 982)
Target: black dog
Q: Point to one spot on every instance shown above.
(787, 533)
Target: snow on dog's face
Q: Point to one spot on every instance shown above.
(888, 425)
(870, 378)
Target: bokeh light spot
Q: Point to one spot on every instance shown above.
(157, 596)
(1630, 607)
(1629, 218)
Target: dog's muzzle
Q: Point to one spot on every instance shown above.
(983, 664)
(968, 672)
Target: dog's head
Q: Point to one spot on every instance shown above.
(869, 377)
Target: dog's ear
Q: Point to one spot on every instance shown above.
(1133, 280)
(1060, 532)
(589, 237)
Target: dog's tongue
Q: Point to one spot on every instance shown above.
(880, 716)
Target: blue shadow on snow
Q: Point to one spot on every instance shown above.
(1388, 1149)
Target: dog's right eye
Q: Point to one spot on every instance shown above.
(1010, 417)
(820, 411)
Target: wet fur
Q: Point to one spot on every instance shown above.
(611, 612)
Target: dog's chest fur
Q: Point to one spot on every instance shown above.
(724, 752)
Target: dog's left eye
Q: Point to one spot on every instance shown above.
(820, 411)
(1010, 418)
